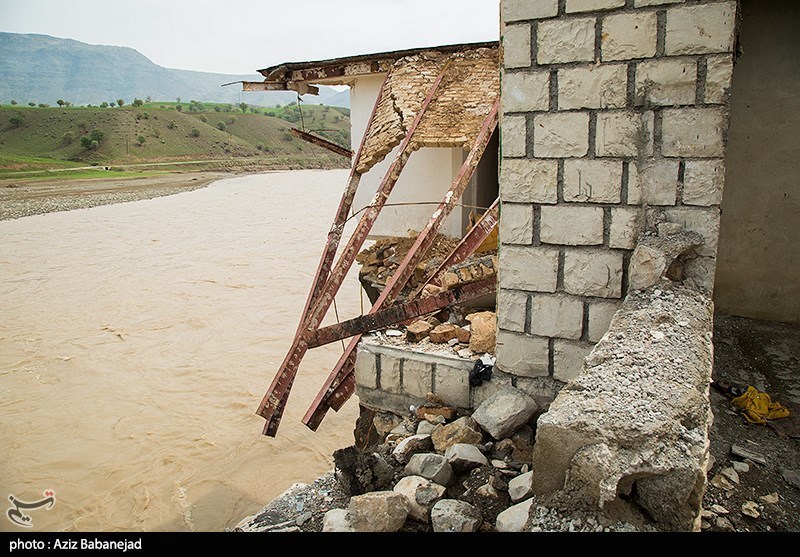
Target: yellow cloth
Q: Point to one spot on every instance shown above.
(758, 407)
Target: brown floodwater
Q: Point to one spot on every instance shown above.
(136, 341)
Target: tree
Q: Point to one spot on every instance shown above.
(137, 102)
(141, 139)
(195, 132)
(60, 102)
(86, 142)
(178, 99)
(44, 105)
(112, 104)
(148, 99)
(243, 106)
(31, 104)
(68, 138)
(15, 121)
(120, 103)
(179, 108)
(221, 126)
(13, 102)
(97, 135)
(104, 105)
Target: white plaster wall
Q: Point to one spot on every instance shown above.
(426, 177)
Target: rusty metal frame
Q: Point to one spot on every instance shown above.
(322, 142)
(320, 299)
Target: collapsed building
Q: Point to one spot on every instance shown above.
(597, 138)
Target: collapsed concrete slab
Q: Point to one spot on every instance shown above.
(633, 426)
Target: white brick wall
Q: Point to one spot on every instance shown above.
(655, 182)
(625, 227)
(561, 134)
(517, 46)
(568, 359)
(390, 374)
(593, 273)
(511, 307)
(522, 355)
(513, 135)
(517, 10)
(417, 377)
(703, 181)
(569, 40)
(571, 226)
(700, 29)
(366, 370)
(556, 316)
(600, 315)
(603, 86)
(525, 91)
(592, 180)
(629, 36)
(718, 78)
(592, 5)
(452, 385)
(693, 132)
(517, 224)
(624, 134)
(529, 181)
(701, 220)
(528, 268)
(666, 82)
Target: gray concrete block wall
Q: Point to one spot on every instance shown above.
(609, 107)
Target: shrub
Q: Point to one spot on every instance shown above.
(231, 120)
(203, 118)
(13, 102)
(260, 147)
(221, 126)
(94, 145)
(68, 138)
(86, 142)
(179, 108)
(195, 132)
(97, 135)
(112, 104)
(31, 104)
(137, 102)
(44, 105)
(171, 125)
(141, 139)
(288, 136)
(15, 121)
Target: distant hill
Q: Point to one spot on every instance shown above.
(43, 69)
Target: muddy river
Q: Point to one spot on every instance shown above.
(136, 341)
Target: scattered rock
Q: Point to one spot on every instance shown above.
(336, 520)
(521, 487)
(513, 519)
(463, 430)
(721, 482)
(465, 353)
(730, 474)
(771, 498)
(741, 452)
(483, 328)
(750, 508)
(418, 330)
(463, 457)
(463, 335)
(792, 477)
(379, 511)
(430, 412)
(410, 446)
(723, 524)
(450, 515)
(444, 332)
(432, 466)
(426, 428)
(741, 467)
(719, 509)
(710, 463)
(358, 472)
(385, 422)
(421, 495)
(505, 412)
(487, 490)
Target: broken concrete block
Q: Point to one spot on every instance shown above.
(483, 331)
(418, 330)
(421, 495)
(444, 332)
(450, 515)
(505, 412)
(730, 474)
(463, 430)
(521, 487)
(425, 427)
(741, 452)
(410, 446)
(337, 520)
(513, 519)
(432, 466)
(654, 255)
(463, 457)
(379, 511)
(358, 472)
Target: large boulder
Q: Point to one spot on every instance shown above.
(463, 457)
(421, 495)
(463, 430)
(379, 511)
(432, 466)
(410, 446)
(450, 515)
(504, 412)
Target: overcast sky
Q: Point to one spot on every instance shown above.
(241, 36)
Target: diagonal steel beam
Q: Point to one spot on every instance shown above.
(272, 404)
(322, 142)
(406, 268)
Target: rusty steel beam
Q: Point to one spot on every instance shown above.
(401, 312)
(406, 268)
(281, 385)
(322, 142)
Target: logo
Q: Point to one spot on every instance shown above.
(15, 512)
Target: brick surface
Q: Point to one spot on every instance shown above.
(511, 307)
(366, 370)
(625, 227)
(593, 273)
(641, 3)
(629, 36)
(516, 224)
(390, 374)
(693, 132)
(718, 78)
(528, 268)
(529, 181)
(624, 134)
(654, 182)
(666, 82)
(600, 315)
(703, 182)
(417, 377)
(526, 91)
(592, 181)
(517, 10)
(522, 355)
(556, 316)
(571, 226)
(565, 40)
(603, 86)
(592, 5)
(513, 134)
(704, 221)
(568, 359)
(452, 385)
(517, 46)
(564, 134)
(700, 29)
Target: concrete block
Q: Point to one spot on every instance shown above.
(513, 135)
(703, 182)
(452, 385)
(431, 466)
(513, 519)
(700, 29)
(417, 377)
(556, 315)
(600, 315)
(561, 134)
(719, 72)
(463, 457)
(693, 132)
(517, 45)
(365, 369)
(655, 182)
(704, 221)
(592, 180)
(624, 134)
(603, 86)
(568, 359)
(629, 36)
(541, 389)
(643, 3)
(505, 412)
(666, 82)
(593, 273)
(452, 515)
(572, 226)
(625, 227)
(391, 377)
(378, 511)
(521, 487)
(488, 388)
(522, 355)
(528, 268)
(574, 6)
(517, 224)
(565, 40)
(528, 181)
(517, 10)
(526, 91)
(511, 307)
(420, 494)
